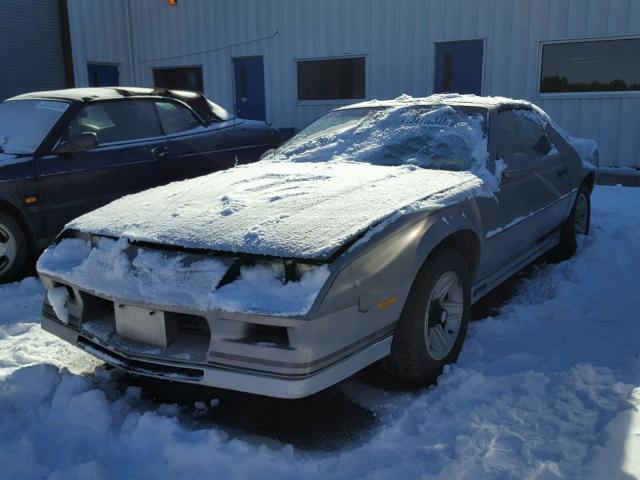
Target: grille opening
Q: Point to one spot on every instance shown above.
(95, 306)
(268, 335)
(181, 323)
(189, 324)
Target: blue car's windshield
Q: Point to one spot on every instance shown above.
(25, 123)
(428, 136)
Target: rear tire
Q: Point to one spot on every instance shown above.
(578, 223)
(14, 248)
(434, 321)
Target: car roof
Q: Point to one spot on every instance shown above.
(99, 93)
(196, 100)
(452, 99)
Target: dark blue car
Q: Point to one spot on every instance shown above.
(66, 152)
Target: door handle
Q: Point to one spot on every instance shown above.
(159, 151)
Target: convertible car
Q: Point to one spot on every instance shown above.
(67, 152)
(367, 236)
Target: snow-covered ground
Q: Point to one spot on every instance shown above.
(548, 387)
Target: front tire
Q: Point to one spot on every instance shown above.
(13, 248)
(578, 223)
(434, 321)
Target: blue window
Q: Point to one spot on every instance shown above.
(101, 75)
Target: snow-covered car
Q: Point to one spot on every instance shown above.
(367, 235)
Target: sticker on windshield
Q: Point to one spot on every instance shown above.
(428, 122)
(52, 105)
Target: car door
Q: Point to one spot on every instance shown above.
(130, 144)
(534, 189)
(195, 147)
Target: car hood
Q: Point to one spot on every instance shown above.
(300, 210)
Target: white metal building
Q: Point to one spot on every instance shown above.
(289, 61)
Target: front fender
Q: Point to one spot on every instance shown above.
(385, 266)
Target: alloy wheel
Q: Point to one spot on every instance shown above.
(580, 215)
(8, 248)
(443, 317)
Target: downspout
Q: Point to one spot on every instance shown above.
(132, 65)
(65, 36)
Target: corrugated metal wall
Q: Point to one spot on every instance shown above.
(396, 36)
(30, 47)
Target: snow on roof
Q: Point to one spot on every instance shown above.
(444, 99)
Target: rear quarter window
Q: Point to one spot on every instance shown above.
(176, 118)
(521, 133)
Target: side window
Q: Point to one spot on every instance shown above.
(176, 118)
(522, 133)
(116, 121)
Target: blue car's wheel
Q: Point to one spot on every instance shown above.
(13, 248)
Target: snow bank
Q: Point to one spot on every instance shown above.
(22, 342)
(547, 388)
(114, 268)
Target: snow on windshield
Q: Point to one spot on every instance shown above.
(25, 123)
(428, 136)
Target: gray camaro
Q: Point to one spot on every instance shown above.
(367, 236)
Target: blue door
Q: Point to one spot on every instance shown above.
(459, 67)
(103, 75)
(249, 79)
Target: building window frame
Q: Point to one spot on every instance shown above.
(587, 95)
(341, 101)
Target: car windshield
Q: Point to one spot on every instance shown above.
(428, 136)
(25, 123)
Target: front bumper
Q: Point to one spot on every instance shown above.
(286, 357)
(219, 376)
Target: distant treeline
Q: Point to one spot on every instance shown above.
(558, 84)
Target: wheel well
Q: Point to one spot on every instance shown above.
(590, 181)
(467, 243)
(17, 215)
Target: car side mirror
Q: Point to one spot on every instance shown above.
(80, 143)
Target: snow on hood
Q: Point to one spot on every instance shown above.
(304, 205)
(282, 209)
